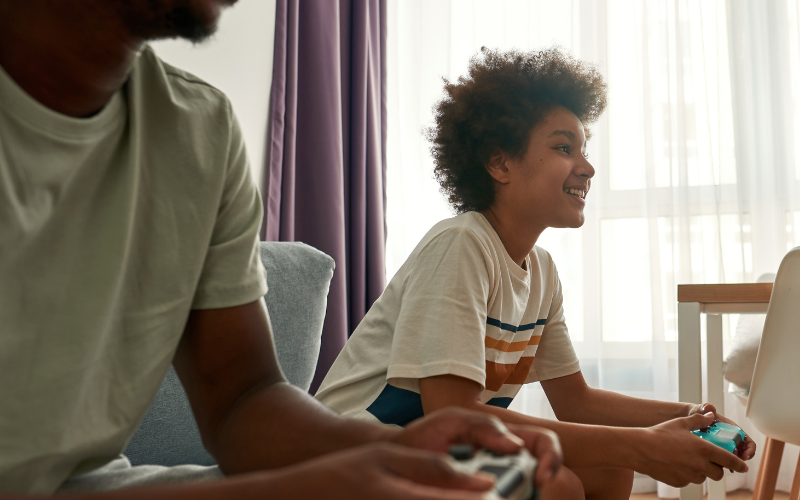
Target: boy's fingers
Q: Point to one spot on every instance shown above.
(697, 421)
(714, 471)
(728, 460)
(750, 450)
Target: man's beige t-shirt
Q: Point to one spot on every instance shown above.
(111, 229)
(460, 306)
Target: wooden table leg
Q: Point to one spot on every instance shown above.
(768, 471)
(795, 494)
(689, 370)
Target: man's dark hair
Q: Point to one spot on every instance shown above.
(503, 98)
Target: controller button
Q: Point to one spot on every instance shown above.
(462, 452)
(508, 480)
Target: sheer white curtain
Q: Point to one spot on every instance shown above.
(697, 177)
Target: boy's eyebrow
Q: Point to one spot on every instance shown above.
(567, 133)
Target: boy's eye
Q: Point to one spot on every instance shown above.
(565, 148)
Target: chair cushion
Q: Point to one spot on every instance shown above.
(740, 362)
(298, 277)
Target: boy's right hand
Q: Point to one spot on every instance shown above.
(670, 453)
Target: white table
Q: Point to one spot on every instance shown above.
(713, 301)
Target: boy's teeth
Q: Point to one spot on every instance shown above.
(576, 192)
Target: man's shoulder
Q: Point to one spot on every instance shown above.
(176, 90)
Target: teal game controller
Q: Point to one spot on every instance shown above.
(726, 436)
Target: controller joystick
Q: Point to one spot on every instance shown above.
(513, 473)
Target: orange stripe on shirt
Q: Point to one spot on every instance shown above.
(498, 374)
(502, 345)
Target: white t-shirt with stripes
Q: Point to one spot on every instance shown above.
(459, 305)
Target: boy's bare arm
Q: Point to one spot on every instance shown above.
(574, 401)
(667, 451)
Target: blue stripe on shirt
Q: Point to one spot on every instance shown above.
(401, 406)
(396, 406)
(512, 328)
(500, 402)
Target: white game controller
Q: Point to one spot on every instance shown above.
(514, 473)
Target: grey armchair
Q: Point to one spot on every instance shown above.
(298, 277)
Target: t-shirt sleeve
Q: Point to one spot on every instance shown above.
(442, 318)
(232, 272)
(555, 357)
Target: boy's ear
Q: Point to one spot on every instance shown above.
(497, 166)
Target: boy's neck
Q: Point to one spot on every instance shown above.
(517, 236)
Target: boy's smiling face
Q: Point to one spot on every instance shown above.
(547, 186)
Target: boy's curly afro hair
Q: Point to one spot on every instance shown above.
(504, 97)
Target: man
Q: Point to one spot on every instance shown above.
(128, 234)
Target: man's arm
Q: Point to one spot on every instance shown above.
(373, 472)
(667, 452)
(249, 416)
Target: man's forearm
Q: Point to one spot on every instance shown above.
(247, 487)
(278, 425)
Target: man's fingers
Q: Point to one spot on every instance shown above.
(430, 469)
(545, 446)
(546, 469)
(401, 489)
(485, 431)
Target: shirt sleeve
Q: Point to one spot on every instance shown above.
(442, 319)
(232, 271)
(555, 356)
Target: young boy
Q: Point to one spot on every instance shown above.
(476, 310)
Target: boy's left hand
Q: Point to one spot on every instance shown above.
(750, 448)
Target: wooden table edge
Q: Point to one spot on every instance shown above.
(725, 293)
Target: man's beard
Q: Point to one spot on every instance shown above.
(152, 19)
(185, 23)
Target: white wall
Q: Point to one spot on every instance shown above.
(238, 61)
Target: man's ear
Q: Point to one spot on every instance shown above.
(497, 166)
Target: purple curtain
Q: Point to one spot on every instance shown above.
(326, 154)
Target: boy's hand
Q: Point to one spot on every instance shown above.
(441, 429)
(670, 453)
(750, 447)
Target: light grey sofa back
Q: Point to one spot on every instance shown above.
(298, 277)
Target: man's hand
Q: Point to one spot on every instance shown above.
(750, 446)
(670, 453)
(381, 472)
(440, 430)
